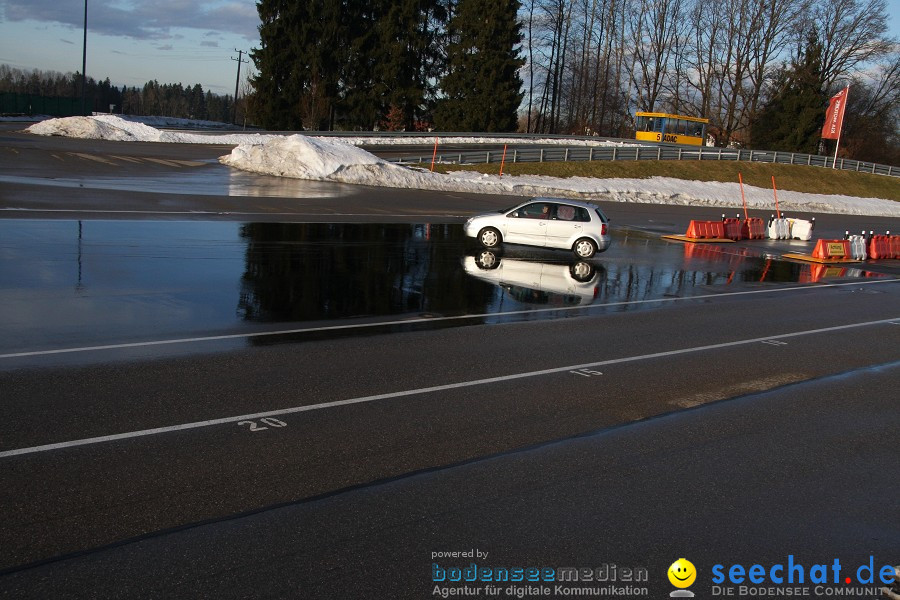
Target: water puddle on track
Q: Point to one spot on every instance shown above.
(67, 284)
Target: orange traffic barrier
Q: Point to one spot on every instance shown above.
(705, 229)
(884, 246)
(877, 247)
(753, 229)
(832, 249)
(732, 229)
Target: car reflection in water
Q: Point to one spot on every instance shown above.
(535, 281)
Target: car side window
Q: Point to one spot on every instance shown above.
(565, 212)
(537, 210)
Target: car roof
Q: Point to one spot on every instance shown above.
(562, 200)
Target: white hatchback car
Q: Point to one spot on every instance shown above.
(548, 222)
(537, 282)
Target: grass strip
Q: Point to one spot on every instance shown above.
(796, 178)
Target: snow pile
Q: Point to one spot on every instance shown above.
(331, 160)
(338, 159)
(115, 128)
(96, 129)
(304, 157)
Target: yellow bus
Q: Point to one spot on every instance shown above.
(673, 129)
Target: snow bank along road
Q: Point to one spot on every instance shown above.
(330, 159)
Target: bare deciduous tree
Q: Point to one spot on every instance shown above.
(653, 29)
(851, 33)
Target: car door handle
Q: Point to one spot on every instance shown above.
(543, 223)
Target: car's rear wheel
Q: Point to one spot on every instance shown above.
(489, 237)
(584, 248)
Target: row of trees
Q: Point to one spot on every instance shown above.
(350, 64)
(153, 99)
(176, 100)
(573, 66)
(592, 63)
(760, 70)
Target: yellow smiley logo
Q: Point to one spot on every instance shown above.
(682, 573)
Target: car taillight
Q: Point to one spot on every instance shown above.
(603, 229)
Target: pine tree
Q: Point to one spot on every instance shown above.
(302, 49)
(482, 87)
(406, 56)
(792, 119)
(277, 83)
(358, 103)
(197, 104)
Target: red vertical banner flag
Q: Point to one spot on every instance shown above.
(834, 118)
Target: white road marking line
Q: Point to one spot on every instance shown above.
(254, 334)
(425, 390)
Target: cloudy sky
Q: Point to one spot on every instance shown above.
(132, 41)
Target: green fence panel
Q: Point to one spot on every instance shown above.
(33, 104)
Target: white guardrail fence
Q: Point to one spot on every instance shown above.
(634, 152)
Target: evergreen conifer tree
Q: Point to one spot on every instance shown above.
(482, 86)
(298, 62)
(792, 118)
(406, 57)
(277, 84)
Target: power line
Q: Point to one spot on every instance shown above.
(237, 81)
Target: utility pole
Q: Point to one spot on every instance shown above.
(236, 81)
(84, 62)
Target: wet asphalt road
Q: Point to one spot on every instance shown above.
(332, 463)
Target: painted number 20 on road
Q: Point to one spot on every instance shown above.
(267, 422)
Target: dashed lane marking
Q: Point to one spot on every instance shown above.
(257, 334)
(424, 390)
(94, 158)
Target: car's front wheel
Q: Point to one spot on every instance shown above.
(489, 237)
(582, 272)
(487, 260)
(584, 248)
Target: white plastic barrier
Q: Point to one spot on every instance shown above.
(858, 247)
(785, 232)
(802, 229)
(779, 229)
